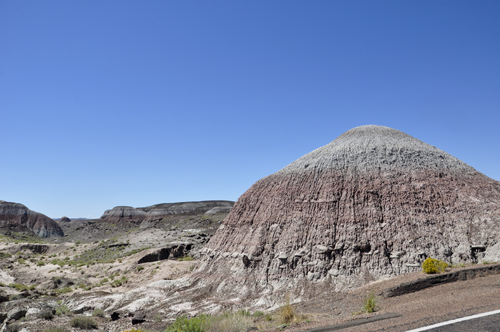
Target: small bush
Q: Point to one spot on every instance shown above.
(140, 268)
(370, 303)
(287, 313)
(63, 310)
(258, 314)
(98, 313)
(40, 263)
(158, 318)
(56, 329)
(230, 322)
(47, 314)
(83, 322)
(184, 324)
(64, 290)
(432, 265)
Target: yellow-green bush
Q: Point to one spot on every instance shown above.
(432, 265)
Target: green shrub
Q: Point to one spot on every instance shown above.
(63, 310)
(40, 263)
(47, 314)
(98, 313)
(184, 324)
(432, 265)
(370, 303)
(119, 282)
(140, 268)
(258, 314)
(83, 322)
(21, 287)
(64, 290)
(4, 255)
(185, 258)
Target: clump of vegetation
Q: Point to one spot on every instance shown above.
(229, 322)
(40, 263)
(432, 265)
(370, 303)
(98, 313)
(4, 255)
(184, 324)
(119, 282)
(140, 268)
(83, 322)
(185, 259)
(21, 287)
(64, 290)
(14, 297)
(286, 313)
(56, 329)
(21, 260)
(47, 314)
(63, 310)
(258, 314)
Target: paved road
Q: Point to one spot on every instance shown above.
(489, 323)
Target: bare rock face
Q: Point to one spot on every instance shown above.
(128, 214)
(15, 215)
(372, 204)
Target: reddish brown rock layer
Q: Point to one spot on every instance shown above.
(14, 215)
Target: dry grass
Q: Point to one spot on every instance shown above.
(230, 322)
(286, 314)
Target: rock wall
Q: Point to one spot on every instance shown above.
(15, 215)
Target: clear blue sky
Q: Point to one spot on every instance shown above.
(107, 103)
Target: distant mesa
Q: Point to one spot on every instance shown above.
(130, 215)
(65, 219)
(372, 204)
(16, 216)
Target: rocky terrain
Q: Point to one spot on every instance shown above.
(15, 216)
(354, 217)
(98, 258)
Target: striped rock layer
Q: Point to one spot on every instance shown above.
(18, 217)
(372, 204)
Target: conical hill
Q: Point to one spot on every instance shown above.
(374, 203)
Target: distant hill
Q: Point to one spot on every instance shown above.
(128, 214)
(17, 217)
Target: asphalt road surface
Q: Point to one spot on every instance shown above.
(490, 323)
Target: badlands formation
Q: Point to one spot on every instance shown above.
(16, 216)
(137, 216)
(372, 204)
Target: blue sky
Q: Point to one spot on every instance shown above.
(107, 103)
